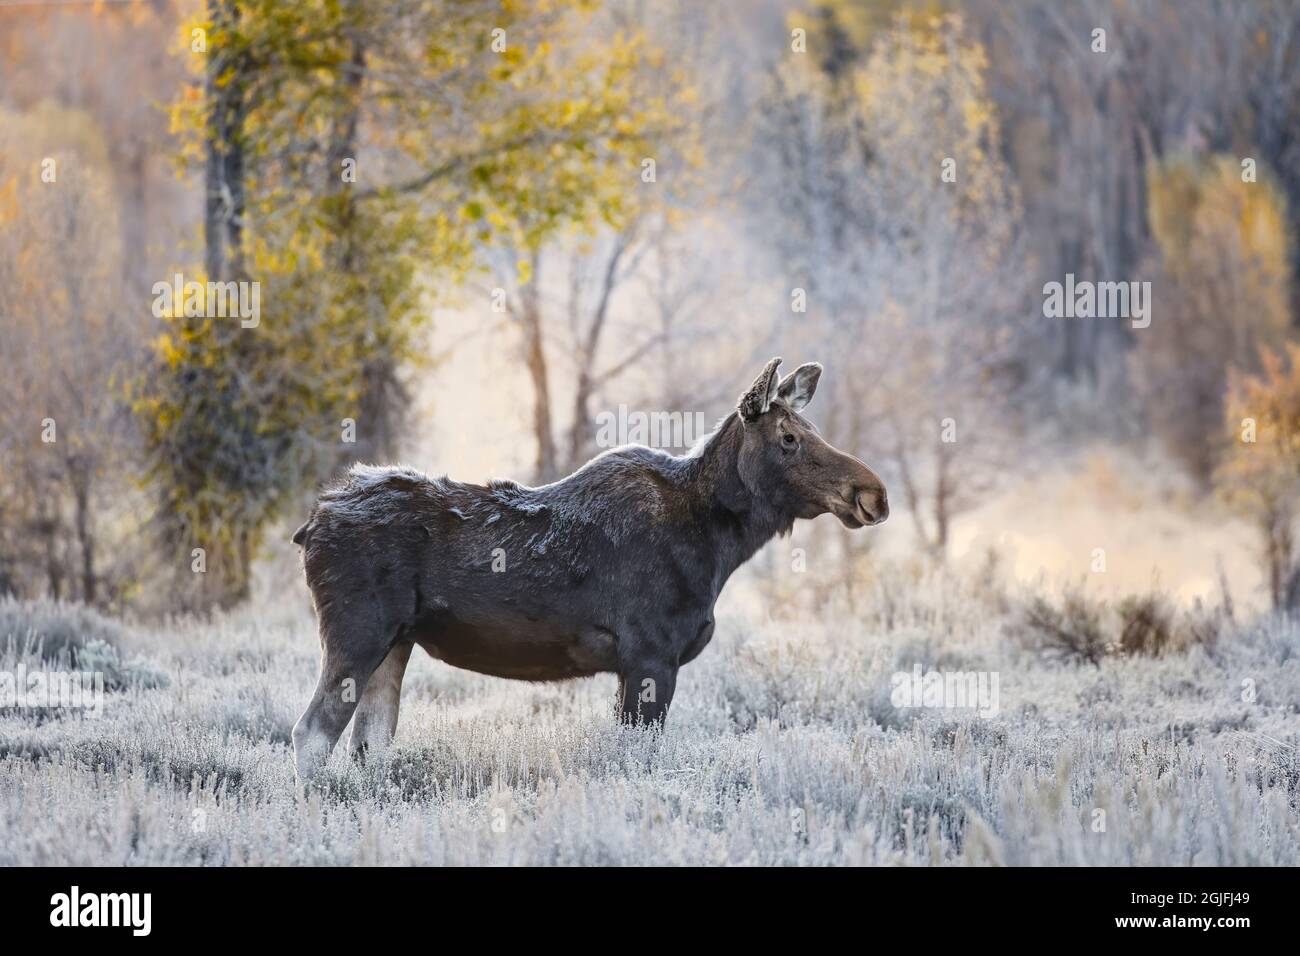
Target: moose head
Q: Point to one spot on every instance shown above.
(783, 459)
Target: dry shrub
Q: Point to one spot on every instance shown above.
(1146, 624)
(1074, 631)
(1087, 629)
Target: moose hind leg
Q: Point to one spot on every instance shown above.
(350, 652)
(375, 721)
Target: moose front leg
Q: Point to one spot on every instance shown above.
(645, 690)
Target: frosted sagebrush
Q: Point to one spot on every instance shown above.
(782, 715)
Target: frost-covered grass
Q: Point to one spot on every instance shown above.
(783, 747)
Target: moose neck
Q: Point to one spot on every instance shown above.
(734, 517)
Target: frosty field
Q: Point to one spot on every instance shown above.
(783, 747)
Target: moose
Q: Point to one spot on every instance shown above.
(614, 569)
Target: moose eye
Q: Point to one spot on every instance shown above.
(788, 439)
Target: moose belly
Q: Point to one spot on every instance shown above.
(518, 647)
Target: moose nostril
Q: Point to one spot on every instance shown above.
(874, 506)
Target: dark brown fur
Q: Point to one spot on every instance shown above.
(615, 568)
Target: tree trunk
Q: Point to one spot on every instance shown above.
(81, 480)
(135, 220)
(47, 527)
(580, 431)
(942, 502)
(223, 213)
(224, 196)
(378, 415)
(1281, 560)
(530, 318)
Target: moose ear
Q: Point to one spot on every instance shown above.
(761, 394)
(798, 387)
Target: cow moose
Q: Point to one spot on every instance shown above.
(615, 568)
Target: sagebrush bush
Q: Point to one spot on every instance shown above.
(57, 629)
(1074, 630)
(1146, 624)
(67, 634)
